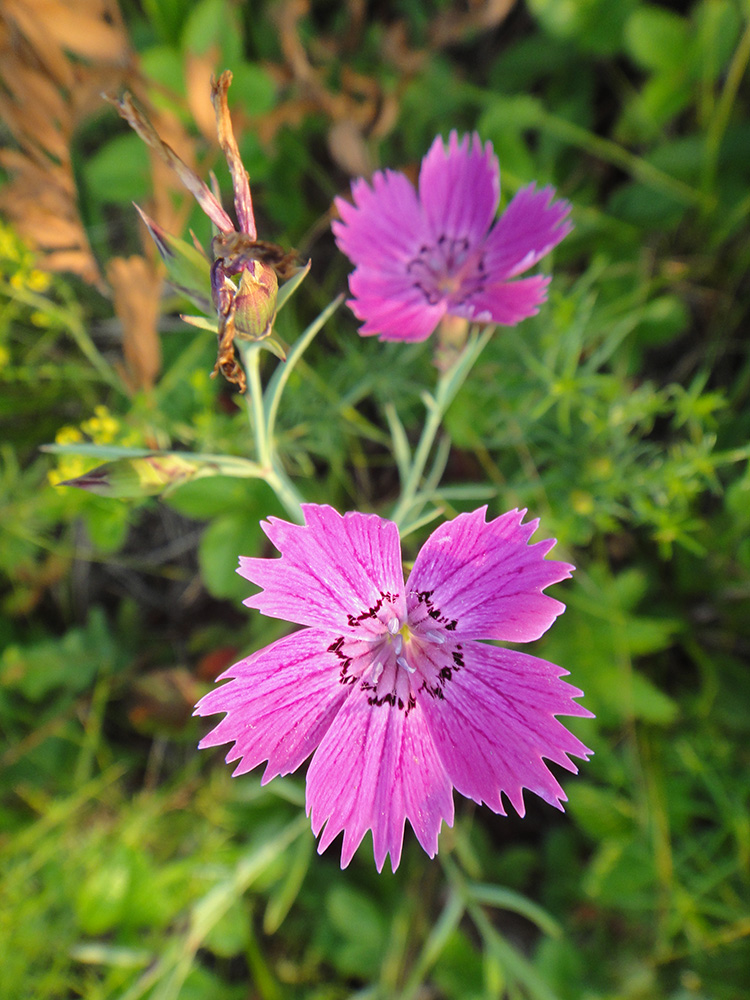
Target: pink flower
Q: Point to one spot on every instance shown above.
(420, 256)
(388, 682)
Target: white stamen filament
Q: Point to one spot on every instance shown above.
(403, 662)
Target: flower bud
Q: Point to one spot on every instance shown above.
(136, 477)
(255, 301)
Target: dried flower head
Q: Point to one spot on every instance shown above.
(245, 272)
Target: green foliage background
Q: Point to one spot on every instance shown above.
(132, 866)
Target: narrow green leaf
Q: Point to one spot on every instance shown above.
(189, 271)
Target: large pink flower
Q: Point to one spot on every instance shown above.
(389, 683)
(420, 256)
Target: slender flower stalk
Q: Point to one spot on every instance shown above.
(448, 386)
(391, 685)
(274, 474)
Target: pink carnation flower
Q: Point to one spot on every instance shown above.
(388, 682)
(420, 256)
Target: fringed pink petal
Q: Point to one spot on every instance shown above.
(333, 570)
(485, 581)
(494, 723)
(531, 225)
(506, 302)
(376, 768)
(394, 309)
(385, 221)
(460, 188)
(280, 703)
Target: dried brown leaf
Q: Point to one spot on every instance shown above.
(290, 113)
(31, 90)
(30, 125)
(348, 149)
(288, 15)
(357, 108)
(397, 51)
(25, 33)
(35, 171)
(198, 72)
(48, 231)
(137, 291)
(46, 88)
(456, 23)
(72, 261)
(92, 29)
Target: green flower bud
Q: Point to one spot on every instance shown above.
(255, 301)
(136, 477)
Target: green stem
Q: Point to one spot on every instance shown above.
(286, 492)
(720, 118)
(281, 376)
(273, 472)
(263, 407)
(250, 354)
(433, 947)
(448, 385)
(517, 969)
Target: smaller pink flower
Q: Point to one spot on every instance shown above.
(420, 256)
(392, 686)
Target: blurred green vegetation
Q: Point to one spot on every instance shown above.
(133, 867)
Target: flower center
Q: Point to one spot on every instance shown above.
(450, 269)
(393, 656)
